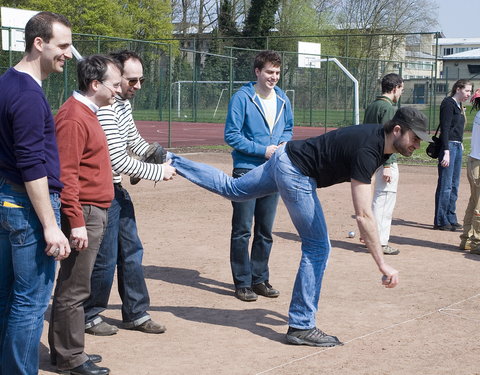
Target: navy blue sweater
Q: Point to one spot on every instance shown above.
(28, 147)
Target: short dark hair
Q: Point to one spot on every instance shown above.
(40, 26)
(92, 68)
(265, 57)
(389, 125)
(460, 84)
(124, 55)
(390, 82)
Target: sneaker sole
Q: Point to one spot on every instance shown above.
(297, 341)
(392, 253)
(101, 333)
(268, 296)
(245, 299)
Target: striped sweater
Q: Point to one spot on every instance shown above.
(123, 140)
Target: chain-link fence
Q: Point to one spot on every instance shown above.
(192, 79)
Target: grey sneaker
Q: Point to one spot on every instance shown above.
(311, 337)
(388, 250)
(246, 294)
(149, 327)
(102, 329)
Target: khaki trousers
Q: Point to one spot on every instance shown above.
(471, 221)
(383, 203)
(66, 335)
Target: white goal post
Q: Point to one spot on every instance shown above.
(355, 86)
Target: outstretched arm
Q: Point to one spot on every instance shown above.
(362, 203)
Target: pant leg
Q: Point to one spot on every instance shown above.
(242, 219)
(299, 195)
(265, 210)
(67, 322)
(26, 281)
(131, 279)
(101, 280)
(251, 269)
(254, 184)
(456, 154)
(442, 193)
(384, 199)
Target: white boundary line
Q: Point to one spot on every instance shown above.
(440, 310)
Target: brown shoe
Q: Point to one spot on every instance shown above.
(149, 327)
(102, 329)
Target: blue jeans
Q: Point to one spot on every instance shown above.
(447, 186)
(253, 269)
(121, 247)
(26, 280)
(298, 192)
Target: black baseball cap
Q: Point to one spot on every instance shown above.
(413, 119)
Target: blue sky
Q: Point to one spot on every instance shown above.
(459, 18)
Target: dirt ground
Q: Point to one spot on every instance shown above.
(428, 325)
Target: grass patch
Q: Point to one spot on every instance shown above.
(420, 157)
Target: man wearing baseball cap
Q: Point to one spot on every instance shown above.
(296, 169)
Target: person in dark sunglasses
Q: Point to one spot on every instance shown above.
(121, 246)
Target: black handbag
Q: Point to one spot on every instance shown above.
(433, 149)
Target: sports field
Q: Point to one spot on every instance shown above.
(428, 325)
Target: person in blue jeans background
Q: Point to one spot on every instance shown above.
(259, 119)
(30, 186)
(296, 170)
(452, 122)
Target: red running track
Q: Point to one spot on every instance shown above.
(184, 134)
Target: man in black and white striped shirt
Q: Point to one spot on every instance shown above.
(121, 245)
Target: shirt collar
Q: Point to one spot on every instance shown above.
(83, 99)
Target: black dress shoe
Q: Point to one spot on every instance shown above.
(87, 368)
(95, 358)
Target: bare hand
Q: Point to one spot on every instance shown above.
(446, 159)
(57, 244)
(390, 276)
(168, 171)
(79, 238)
(270, 151)
(387, 174)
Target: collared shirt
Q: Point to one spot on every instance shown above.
(83, 99)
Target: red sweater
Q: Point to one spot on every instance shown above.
(85, 167)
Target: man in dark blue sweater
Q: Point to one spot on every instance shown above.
(30, 236)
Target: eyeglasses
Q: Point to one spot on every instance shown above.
(133, 81)
(110, 86)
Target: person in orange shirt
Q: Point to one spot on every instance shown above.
(87, 177)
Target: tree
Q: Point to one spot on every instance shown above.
(260, 21)
(147, 19)
(100, 17)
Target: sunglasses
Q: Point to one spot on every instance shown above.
(133, 81)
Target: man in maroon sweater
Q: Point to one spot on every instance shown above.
(87, 177)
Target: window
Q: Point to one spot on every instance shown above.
(441, 88)
(473, 69)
